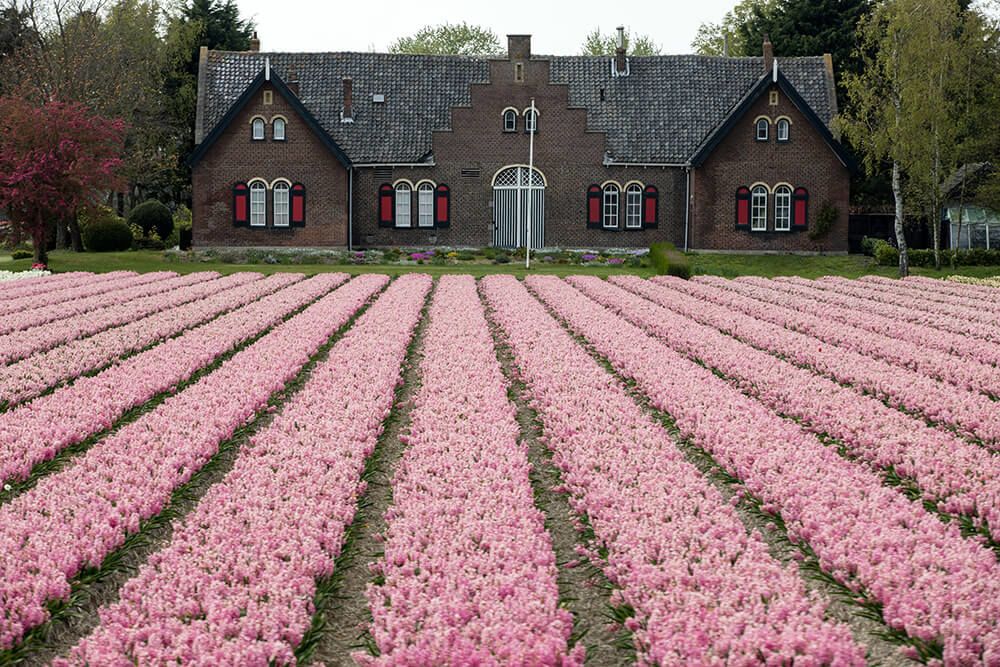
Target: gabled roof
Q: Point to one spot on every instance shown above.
(661, 113)
(761, 86)
(970, 173)
(266, 75)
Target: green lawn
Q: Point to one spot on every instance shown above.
(850, 266)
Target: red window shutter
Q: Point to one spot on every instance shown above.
(743, 208)
(442, 206)
(800, 206)
(650, 207)
(241, 205)
(298, 205)
(594, 207)
(385, 205)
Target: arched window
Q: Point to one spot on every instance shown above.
(531, 120)
(633, 206)
(279, 200)
(298, 205)
(510, 120)
(783, 127)
(758, 209)
(782, 208)
(425, 205)
(610, 217)
(278, 129)
(257, 129)
(651, 207)
(762, 128)
(258, 204)
(403, 204)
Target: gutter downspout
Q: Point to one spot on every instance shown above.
(687, 205)
(350, 208)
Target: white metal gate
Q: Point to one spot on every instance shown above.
(511, 194)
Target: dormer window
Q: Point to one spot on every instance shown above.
(783, 128)
(257, 129)
(762, 129)
(531, 120)
(510, 120)
(278, 129)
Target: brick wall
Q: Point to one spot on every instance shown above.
(567, 154)
(740, 160)
(301, 158)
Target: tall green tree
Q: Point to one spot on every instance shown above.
(739, 28)
(599, 44)
(449, 39)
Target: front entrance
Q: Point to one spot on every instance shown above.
(512, 190)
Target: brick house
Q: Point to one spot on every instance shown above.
(365, 149)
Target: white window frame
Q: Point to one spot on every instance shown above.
(530, 121)
(609, 206)
(280, 203)
(258, 204)
(401, 214)
(783, 129)
(425, 205)
(758, 208)
(257, 124)
(511, 115)
(275, 124)
(633, 206)
(762, 124)
(782, 209)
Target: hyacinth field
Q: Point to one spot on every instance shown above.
(251, 470)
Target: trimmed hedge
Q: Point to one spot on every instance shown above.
(22, 253)
(669, 261)
(107, 236)
(152, 216)
(887, 255)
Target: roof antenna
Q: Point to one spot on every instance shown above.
(267, 69)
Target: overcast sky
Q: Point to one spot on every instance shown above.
(557, 28)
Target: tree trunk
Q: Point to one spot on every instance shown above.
(39, 240)
(897, 193)
(935, 218)
(61, 235)
(74, 234)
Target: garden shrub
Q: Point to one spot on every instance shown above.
(501, 258)
(825, 220)
(22, 253)
(885, 254)
(107, 236)
(152, 216)
(181, 235)
(667, 260)
(868, 244)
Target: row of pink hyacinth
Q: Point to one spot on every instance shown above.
(469, 570)
(703, 589)
(235, 585)
(823, 292)
(60, 287)
(38, 430)
(908, 297)
(790, 311)
(970, 412)
(31, 376)
(174, 291)
(810, 300)
(960, 477)
(107, 293)
(73, 519)
(906, 309)
(933, 584)
(948, 293)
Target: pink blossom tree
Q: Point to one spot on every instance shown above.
(54, 158)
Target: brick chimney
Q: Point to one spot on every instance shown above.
(519, 47)
(621, 64)
(347, 116)
(768, 55)
(254, 42)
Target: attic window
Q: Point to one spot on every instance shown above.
(774, 98)
(378, 98)
(268, 97)
(519, 72)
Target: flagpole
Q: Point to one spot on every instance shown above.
(531, 178)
